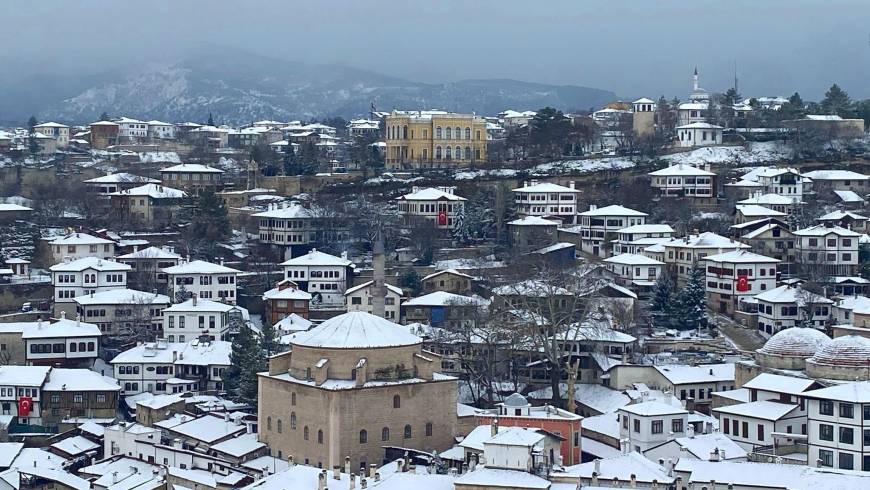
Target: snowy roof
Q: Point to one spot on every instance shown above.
(681, 169)
(795, 341)
(207, 428)
(840, 214)
(122, 297)
(239, 446)
(75, 445)
(708, 239)
(612, 210)
(154, 191)
(789, 294)
(56, 475)
(779, 384)
(752, 210)
(652, 409)
(770, 199)
(93, 428)
(293, 211)
(151, 253)
(765, 409)
(621, 467)
(23, 375)
(698, 125)
(98, 264)
(315, 257)
(431, 194)
(703, 373)
(447, 271)
(741, 257)
(744, 183)
(205, 306)
(121, 177)
(834, 175)
(533, 221)
(545, 187)
(643, 100)
(192, 167)
(64, 379)
(356, 330)
(484, 477)
(702, 445)
(769, 475)
(215, 353)
(8, 452)
(62, 328)
(290, 293)
(10, 207)
(516, 436)
(822, 230)
(632, 259)
(366, 284)
(199, 267)
(595, 396)
(845, 351)
(854, 303)
(646, 228)
(857, 392)
(849, 196)
(293, 323)
(79, 239)
(51, 125)
(443, 298)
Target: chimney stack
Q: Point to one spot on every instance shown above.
(321, 480)
(347, 464)
(336, 472)
(373, 469)
(493, 428)
(633, 482)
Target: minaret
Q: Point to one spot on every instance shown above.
(695, 80)
(379, 289)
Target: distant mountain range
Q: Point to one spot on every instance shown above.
(239, 88)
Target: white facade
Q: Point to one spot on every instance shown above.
(203, 279)
(85, 276)
(732, 275)
(788, 306)
(547, 200)
(65, 342)
(323, 276)
(132, 129)
(698, 134)
(286, 224)
(827, 250)
(79, 245)
(684, 181)
(635, 239)
(598, 226)
(635, 269)
(753, 424)
(165, 367)
(651, 423)
(22, 381)
(839, 426)
(195, 317)
(359, 298)
(681, 254)
(159, 130)
(441, 206)
(57, 131)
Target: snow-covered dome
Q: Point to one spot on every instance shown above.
(356, 330)
(516, 400)
(795, 342)
(850, 350)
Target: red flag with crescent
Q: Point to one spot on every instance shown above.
(442, 218)
(742, 283)
(25, 404)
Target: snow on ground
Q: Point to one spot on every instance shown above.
(551, 168)
(762, 152)
(159, 157)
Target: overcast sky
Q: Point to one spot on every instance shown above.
(633, 47)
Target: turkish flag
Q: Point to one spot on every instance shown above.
(25, 404)
(742, 283)
(442, 218)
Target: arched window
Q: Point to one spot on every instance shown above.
(447, 152)
(468, 133)
(293, 399)
(458, 132)
(458, 153)
(448, 133)
(438, 133)
(280, 429)
(397, 401)
(320, 437)
(407, 432)
(385, 434)
(437, 153)
(428, 429)
(269, 422)
(405, 132)
(363, 436)
(305, 432)
(468, 153)
(293, 420)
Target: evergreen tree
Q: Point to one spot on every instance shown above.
(662, 294)
(410, 281)
(691, 306)
(246, 360)
(730, 97)
(837, 101)
(269, 340)
(32, 142)
(210, 120)
(104, 116)
(181, 294)
(210, 221)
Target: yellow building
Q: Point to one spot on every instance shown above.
(420, 139)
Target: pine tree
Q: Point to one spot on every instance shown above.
(662, 294)
(246, 360)
(691, 306)
(104, 116)
(269, 340)
(210, 221)
(210, 120)
(837, 101)
(32, 142)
